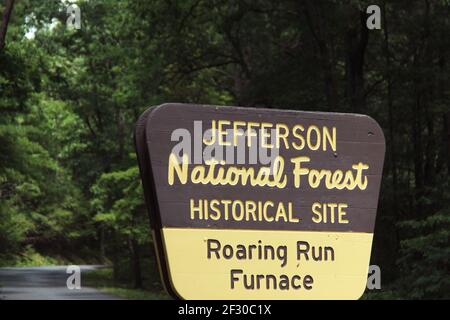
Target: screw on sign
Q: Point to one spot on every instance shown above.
(298, 225)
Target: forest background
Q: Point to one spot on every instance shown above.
(69, 98)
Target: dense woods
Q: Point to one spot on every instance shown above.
(69, 98)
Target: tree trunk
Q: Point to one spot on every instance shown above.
(418, 152)
(135, 262)
(447, 135)
(392, 144)
(115, 257)
(5, 21)
(102, 242)
(357, 38)
(316, 25)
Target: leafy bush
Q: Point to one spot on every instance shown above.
(425, 257)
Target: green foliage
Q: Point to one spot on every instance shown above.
(13, 228)
(28, 257)
(424, 261)
(118, 201)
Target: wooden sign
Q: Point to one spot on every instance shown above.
(260, 203)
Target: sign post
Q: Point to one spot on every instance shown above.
(260, 203)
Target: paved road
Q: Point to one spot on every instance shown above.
(45, 283)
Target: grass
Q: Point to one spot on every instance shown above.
(29, 258)
(134, 294)
(380, 295)
(102, 279)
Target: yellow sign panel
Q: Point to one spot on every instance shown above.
(249, 264)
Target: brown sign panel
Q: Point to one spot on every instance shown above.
(260, 203)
